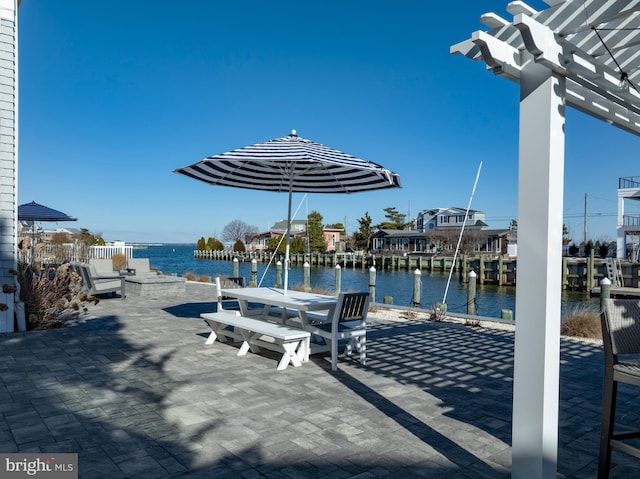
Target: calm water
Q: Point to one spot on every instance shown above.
(491, 299)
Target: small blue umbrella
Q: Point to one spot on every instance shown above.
(36, 212)
(32, 212)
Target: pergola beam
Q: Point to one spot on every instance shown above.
(594, 88)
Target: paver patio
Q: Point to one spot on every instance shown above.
(132, 388)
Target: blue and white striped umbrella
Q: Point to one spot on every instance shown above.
(293, 165)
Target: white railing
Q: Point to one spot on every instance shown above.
(58, 254)
(53, 254)
(107, 252)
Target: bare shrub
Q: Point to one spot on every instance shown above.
(472, 322)
(119, 261)
(373, 308)
(408, 314)
(439, 312)
(583, 322)
(190, 276)
(204, 279)
(50, 295)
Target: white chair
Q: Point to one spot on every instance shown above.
(221, 300)
(347, 323)
(231, 304)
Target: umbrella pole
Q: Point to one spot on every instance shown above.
(287, 243)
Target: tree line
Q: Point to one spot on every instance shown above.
(237, 232)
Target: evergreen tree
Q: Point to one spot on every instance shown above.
(216, 245)
(573, 249)
(565, 235)
(297, 245)
(201, 244)
(588, 248)
(239, 246)
(394, 220)
(272, 244)
(315, 233)
(365, 231)
(603, 250)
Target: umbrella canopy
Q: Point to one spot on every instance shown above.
(294, 165)
(36, 212)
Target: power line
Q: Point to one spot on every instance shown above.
(567, 215)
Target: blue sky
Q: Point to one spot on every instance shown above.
(116, 95)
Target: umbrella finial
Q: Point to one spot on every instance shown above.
(293, 133)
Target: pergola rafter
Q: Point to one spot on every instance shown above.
(566, 40)
(579, 53)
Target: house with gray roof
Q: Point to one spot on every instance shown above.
(450, 218)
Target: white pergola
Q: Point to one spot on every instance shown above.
(581, 53)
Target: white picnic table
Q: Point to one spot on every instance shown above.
(300, 304)
(282, 324)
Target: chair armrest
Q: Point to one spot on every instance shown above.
(100, 276)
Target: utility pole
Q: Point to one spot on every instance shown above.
(586, 196)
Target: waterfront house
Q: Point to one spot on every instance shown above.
(259, 241)
(331, 238)
(450, 218)
(497, 241)
(628, 225)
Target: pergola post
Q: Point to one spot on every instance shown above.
(582, 53)
(538, 291)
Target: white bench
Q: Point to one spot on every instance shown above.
(255, 333)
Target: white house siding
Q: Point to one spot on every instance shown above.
(8, 157)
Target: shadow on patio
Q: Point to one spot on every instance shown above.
(135, 392)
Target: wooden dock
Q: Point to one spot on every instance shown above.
(578, 274)
(618, 292)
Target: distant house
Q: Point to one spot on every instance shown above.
(331, 238)
(404, 241)
(260, 241)
(437, 230)
(297, 226)
(28, 229)
(257, 242)
(501, 241)
(449, 218)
